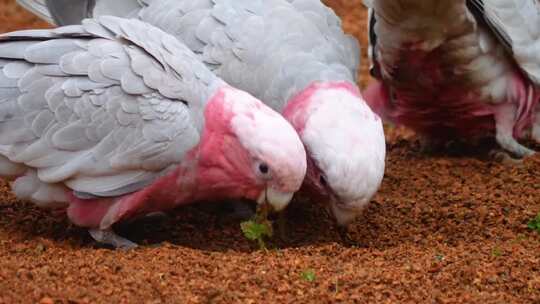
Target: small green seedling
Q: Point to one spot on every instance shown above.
(496, 252)
(308, 275)
(534, 224)
(258, 228)
(257, 231)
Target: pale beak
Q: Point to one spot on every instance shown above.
(278, 200)
(344, 214)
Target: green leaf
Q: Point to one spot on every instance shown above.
(257, 231)
(496, 252)
(308, 275)
(254, 231)
(534, 224)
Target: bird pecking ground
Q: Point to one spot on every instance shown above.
(444, 228)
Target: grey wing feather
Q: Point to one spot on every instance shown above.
(66, 12)
(259, 45)
(68, 108)
(516, 23)
(39, 8)
(255, 45)
(78, 10)
(330, 24)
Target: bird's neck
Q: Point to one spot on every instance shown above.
(302, 105)
(186, 183)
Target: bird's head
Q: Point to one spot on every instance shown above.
(247, 150)
(345, 144)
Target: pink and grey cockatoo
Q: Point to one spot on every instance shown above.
(291, 54)
(458, 68)
(114, 119)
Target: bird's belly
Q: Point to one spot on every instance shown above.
(450, 80)
(454, 115)
(438, 97)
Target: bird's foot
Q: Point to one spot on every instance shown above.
(505, 158)
(110, 238)
(504, 123)
(509, 144)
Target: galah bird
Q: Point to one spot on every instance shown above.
(291, 54)
(458, 69)
(114, 119)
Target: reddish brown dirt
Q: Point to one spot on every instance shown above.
(443, 229)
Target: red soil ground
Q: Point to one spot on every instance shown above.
(446, 228)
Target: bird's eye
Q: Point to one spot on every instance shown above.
(322, 180)
(263, 168)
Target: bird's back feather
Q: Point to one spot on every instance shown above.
(243, 41)
(104, 107)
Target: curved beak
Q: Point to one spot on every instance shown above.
(278, 200)
(343, 216)
(346, 212)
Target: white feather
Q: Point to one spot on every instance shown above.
(361, 149)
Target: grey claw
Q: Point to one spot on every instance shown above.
(109, 237)
(505, 158)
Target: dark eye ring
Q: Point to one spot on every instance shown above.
(263, 168)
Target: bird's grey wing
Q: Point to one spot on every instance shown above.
(38, 8)
(268, 48)
(516, 24)
(68, 12)
(105, 111)
(330, 25)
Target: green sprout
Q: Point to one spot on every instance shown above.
(259, 228)
(308, 275)
(496, 252)
(255, 231)
(534, 224)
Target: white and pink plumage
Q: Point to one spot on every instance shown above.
(458, 69)
(114, 119)
(291, 54)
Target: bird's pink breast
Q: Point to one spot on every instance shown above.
(454, 114)
(176, 188)
(423, 92)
